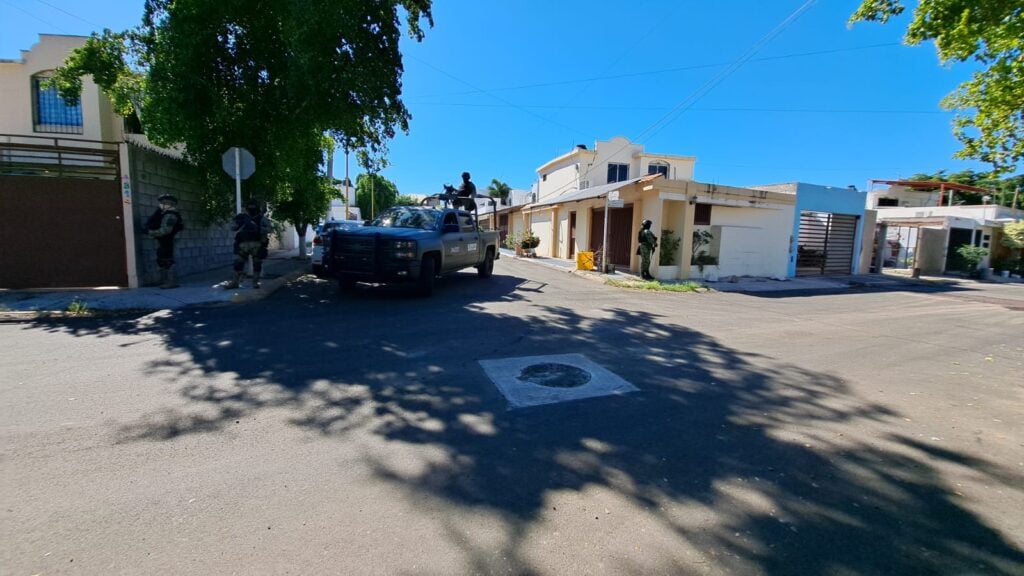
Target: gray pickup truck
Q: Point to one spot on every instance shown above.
(411, 244)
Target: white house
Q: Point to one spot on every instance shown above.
(750, 228)
(924, 226)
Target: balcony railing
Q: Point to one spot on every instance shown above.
(58, 157)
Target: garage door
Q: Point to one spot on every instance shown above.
(826, 244)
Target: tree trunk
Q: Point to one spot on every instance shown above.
(300, 228)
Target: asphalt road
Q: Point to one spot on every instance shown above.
(312, 433)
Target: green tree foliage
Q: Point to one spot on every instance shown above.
(499, 189)
(375, 193)
(989, 120)
(406, 200)
(272, 77)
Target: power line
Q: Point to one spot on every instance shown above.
(705, 88)
(499, 98)
(31, 15)
(661, 108)
(667, 70)
(75, 16)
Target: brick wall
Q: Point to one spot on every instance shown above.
(197, 248)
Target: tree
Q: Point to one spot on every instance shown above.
(211, 75)
(1013, 238)
(1003, 189)
(406, 200)
(374, 193)
(498, 189)
(989, 121)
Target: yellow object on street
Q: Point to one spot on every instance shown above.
(584, 260)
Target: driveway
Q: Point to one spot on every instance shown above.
(868, 432)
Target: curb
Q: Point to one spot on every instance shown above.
(268, 288)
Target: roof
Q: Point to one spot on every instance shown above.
(932, 185)
(592, 192)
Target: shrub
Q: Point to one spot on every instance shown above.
(669, 247)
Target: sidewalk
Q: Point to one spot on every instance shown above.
(203, 288)
(749, 285)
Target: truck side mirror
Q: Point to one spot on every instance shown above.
(449, 228)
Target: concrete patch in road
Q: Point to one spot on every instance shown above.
(537, 380)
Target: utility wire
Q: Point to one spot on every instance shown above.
(668, 118)
(662, 108)
(31, 15)
(499, 98)
(667, 70)
(75, 16)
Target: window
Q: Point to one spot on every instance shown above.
(702, 215)
(658, 168)
(888, 202)
(618, 172)
(466, 223)
(50, 112)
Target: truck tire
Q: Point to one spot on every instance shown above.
(485, 269)
(428, 271)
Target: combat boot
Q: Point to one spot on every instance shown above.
(233, 283)
(170, 281)
(256, 280)
(163, 277)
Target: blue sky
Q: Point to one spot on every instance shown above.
(500, 87)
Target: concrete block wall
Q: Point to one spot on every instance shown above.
(197, 248)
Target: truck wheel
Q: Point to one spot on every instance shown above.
(428, 270)
(485, 269)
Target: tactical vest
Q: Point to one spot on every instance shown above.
(249, 231)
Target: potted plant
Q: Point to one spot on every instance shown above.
(700, 258)
(669, 247)
(972, 256)
(530, 242)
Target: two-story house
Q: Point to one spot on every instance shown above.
(750, 229)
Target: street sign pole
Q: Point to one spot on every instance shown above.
(238, 180)
(604, 245)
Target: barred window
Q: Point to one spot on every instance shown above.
(50, 112)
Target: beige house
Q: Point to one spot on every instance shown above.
(750, 229)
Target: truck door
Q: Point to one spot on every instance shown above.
(452, 241)
(471, 239)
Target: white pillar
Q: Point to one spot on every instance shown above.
(127, 216)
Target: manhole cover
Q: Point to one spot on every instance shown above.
(555, 375)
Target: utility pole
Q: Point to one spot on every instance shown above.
(1016, 194)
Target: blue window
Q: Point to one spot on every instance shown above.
(51, 113)
(657, 168)
(618, 172)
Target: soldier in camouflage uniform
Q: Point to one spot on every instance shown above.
(252, 235)
(648, 242)
(163, 225)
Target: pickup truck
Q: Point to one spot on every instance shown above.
(411, 244)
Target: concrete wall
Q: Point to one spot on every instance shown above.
(197, 248)
(905, 197)
(98, 119)
(931, 250)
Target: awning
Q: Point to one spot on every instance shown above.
(590, 193)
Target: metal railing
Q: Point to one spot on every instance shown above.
(58, 157)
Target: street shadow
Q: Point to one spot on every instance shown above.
(745, 462)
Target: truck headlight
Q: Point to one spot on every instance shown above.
(405, 255)
(405, 244)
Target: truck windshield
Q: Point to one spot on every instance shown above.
(407, 217)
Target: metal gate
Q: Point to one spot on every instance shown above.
(620, 233)
(826, 245)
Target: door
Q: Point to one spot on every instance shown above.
(572, 235)
(470, 240)
(452, 241)
(826, 244)
(957, 237)
(620, 233)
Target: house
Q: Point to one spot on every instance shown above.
(924, 224)
(80, 174)
(828, 230)
(619, 182)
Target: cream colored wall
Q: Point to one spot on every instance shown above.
(540, 224)
(559, 180)
(562, 234)
(752, 241)
(98, 121)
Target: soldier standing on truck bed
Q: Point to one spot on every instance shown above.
(467, 193)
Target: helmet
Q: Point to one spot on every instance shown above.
(168, 198)
(465, 175)
(646, 223)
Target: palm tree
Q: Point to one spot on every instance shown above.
(499, 189)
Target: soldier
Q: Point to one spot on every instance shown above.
(252, 235)
(648, 242)
(163, 225)
(466, 192)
